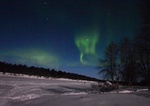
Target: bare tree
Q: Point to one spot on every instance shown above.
(107, 65)
(143, 56)
(124, 47)
(127, 62)
(142, 41)
(130, 73)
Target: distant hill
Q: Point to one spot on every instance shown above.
(36, 71)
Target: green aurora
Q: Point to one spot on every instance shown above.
(35, 57)
(86, 43)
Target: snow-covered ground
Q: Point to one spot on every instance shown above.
(33, 91)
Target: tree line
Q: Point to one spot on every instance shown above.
(41, 72)
(129, 60)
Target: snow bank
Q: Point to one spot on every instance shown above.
(32, 92)
(37, 77)
(75, 93)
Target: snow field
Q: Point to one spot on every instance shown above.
(31, 91)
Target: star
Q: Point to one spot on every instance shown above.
(45, 3)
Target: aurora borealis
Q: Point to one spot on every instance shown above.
(32, 57)
(67, 35)
(86, 43)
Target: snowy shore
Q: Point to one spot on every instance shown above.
(25, 91)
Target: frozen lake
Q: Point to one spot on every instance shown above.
(23, 91)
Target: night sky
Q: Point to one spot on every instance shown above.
(67, 35)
